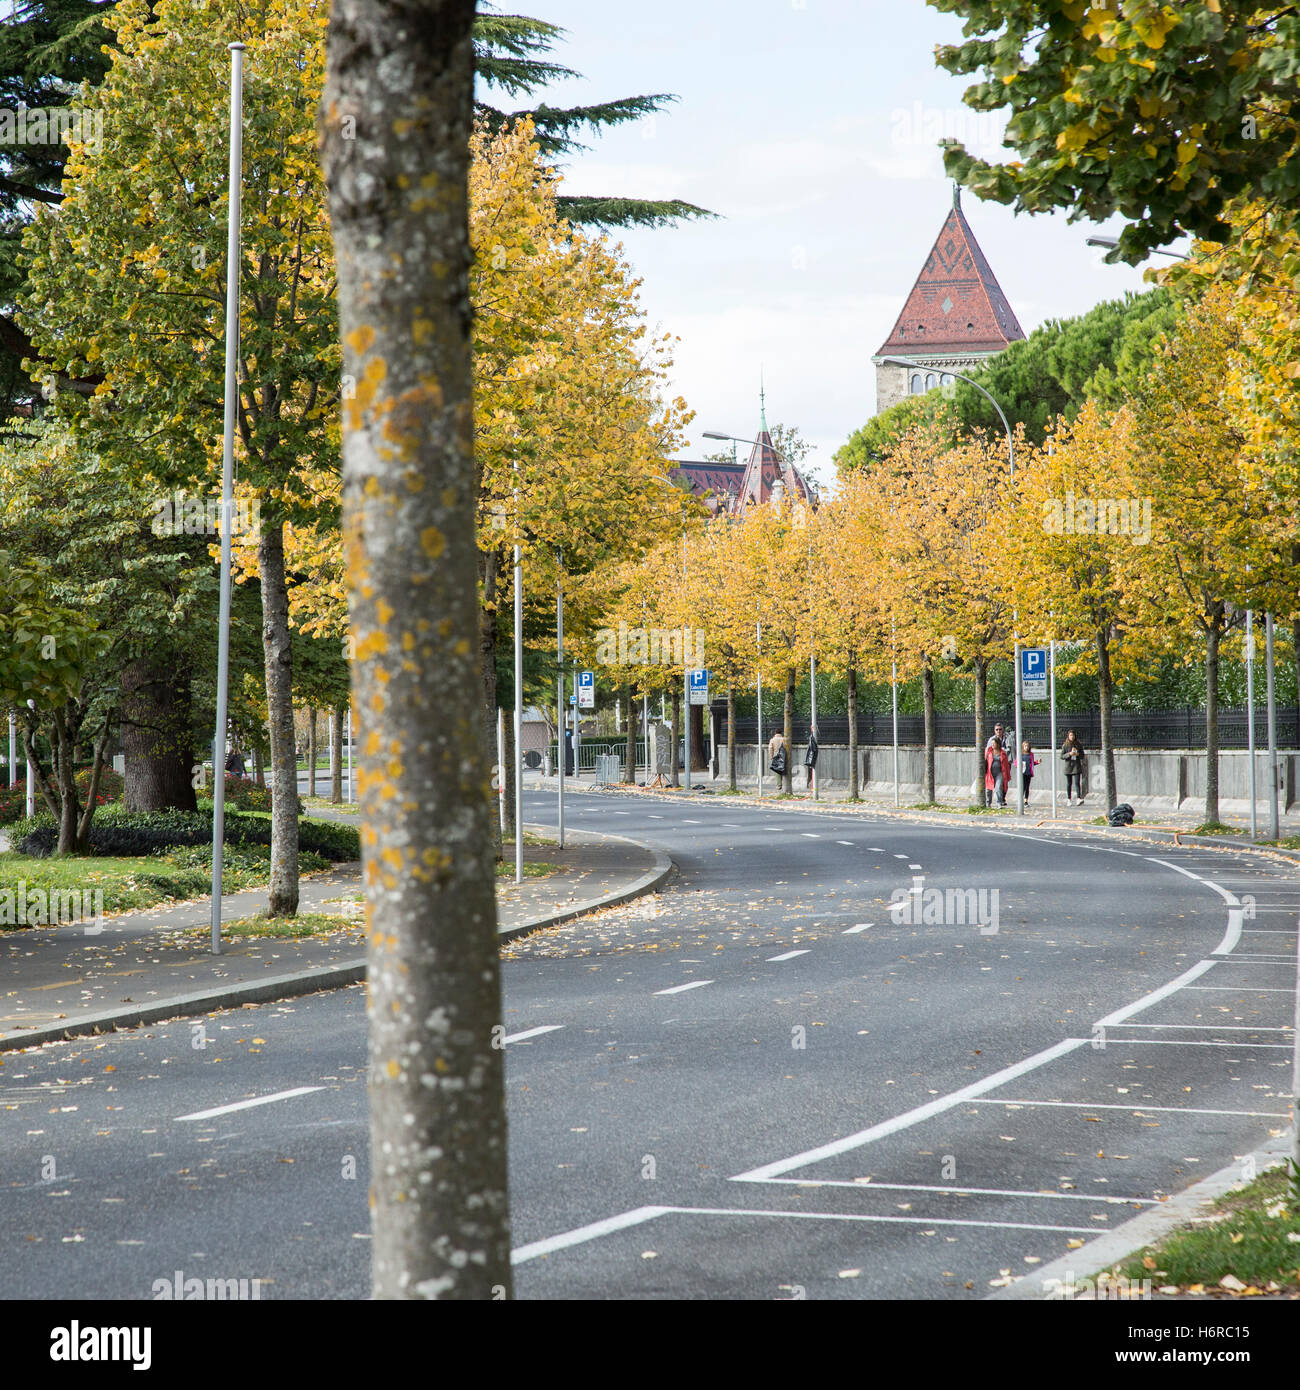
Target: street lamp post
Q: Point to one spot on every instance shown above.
(227, 479)
(1015, 616)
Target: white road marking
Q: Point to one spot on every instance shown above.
(900, 856)
(874, 849)
(952, 1190)
(913, 866)
(845, 842)
(656, 817)
(914, 1117)
(789, 955)
(584, 1233)
(1139, 1110)
(861, 926)
(1197, 1042)
(1208, 1027)
(1157, 995)
(810, 835)
(690, 822)
(679, 989)
(532, 1032)
(900, 1220)
(1243, 989)
(249, 1104)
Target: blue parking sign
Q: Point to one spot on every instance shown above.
(1033, 673)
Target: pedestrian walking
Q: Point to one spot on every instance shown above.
(998, 735)
(235, 763)
(1028, 762)
(1074, 758)
(997, 772)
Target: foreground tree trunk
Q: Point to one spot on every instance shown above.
(157, 737)
(855, 789)
(399, 208)
(279, 704)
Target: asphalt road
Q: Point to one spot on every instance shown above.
(761, 1084)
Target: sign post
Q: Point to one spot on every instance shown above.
(1051, 753)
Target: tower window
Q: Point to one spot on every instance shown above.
(917, 388)
(947, 379)
(931, 381)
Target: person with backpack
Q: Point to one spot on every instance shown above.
(777, 756)
(1074, 759)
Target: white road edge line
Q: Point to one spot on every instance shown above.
(789, 955)
(861, 926)
(1156, 995)
(678, 989)
(912, 1117)
(532, 1033)
(248, 1104)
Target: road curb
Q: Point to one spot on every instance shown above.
(323, 977)
(1151, 1226)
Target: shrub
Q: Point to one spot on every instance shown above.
(13, 802)
(117, 831)
(111, 786)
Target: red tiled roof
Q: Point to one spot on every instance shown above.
(956, 305)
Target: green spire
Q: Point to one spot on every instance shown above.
(762, 404)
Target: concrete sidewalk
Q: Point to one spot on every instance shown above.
(142, 966)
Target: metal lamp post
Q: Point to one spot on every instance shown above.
(1015, 617)
(227, 479)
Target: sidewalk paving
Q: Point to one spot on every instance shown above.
(156, 963)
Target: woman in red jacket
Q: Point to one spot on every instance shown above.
(997, 771)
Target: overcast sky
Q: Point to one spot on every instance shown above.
(809, 126)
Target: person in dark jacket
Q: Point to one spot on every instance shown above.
(1073, 758)
(235, 763)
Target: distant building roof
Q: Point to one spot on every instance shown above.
(737, 485)
(956, 305)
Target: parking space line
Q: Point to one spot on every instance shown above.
(584, 1233)
(916, 1116)
(789, 955)
(952, 1190)
(681, 989)
(861, 926)
(1139, 1110)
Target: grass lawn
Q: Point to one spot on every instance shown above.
(145, 881)
(323, 803)
(304, 924)
(1249, 1245)
(532, 869)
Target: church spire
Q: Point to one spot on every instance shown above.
(956, 195)
(762, 404)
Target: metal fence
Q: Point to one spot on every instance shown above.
(1173, 728)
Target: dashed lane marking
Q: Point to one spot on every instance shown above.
(789, 955)
(680, 989)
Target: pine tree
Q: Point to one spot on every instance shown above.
(508, 51)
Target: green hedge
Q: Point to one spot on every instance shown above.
(117, 831)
